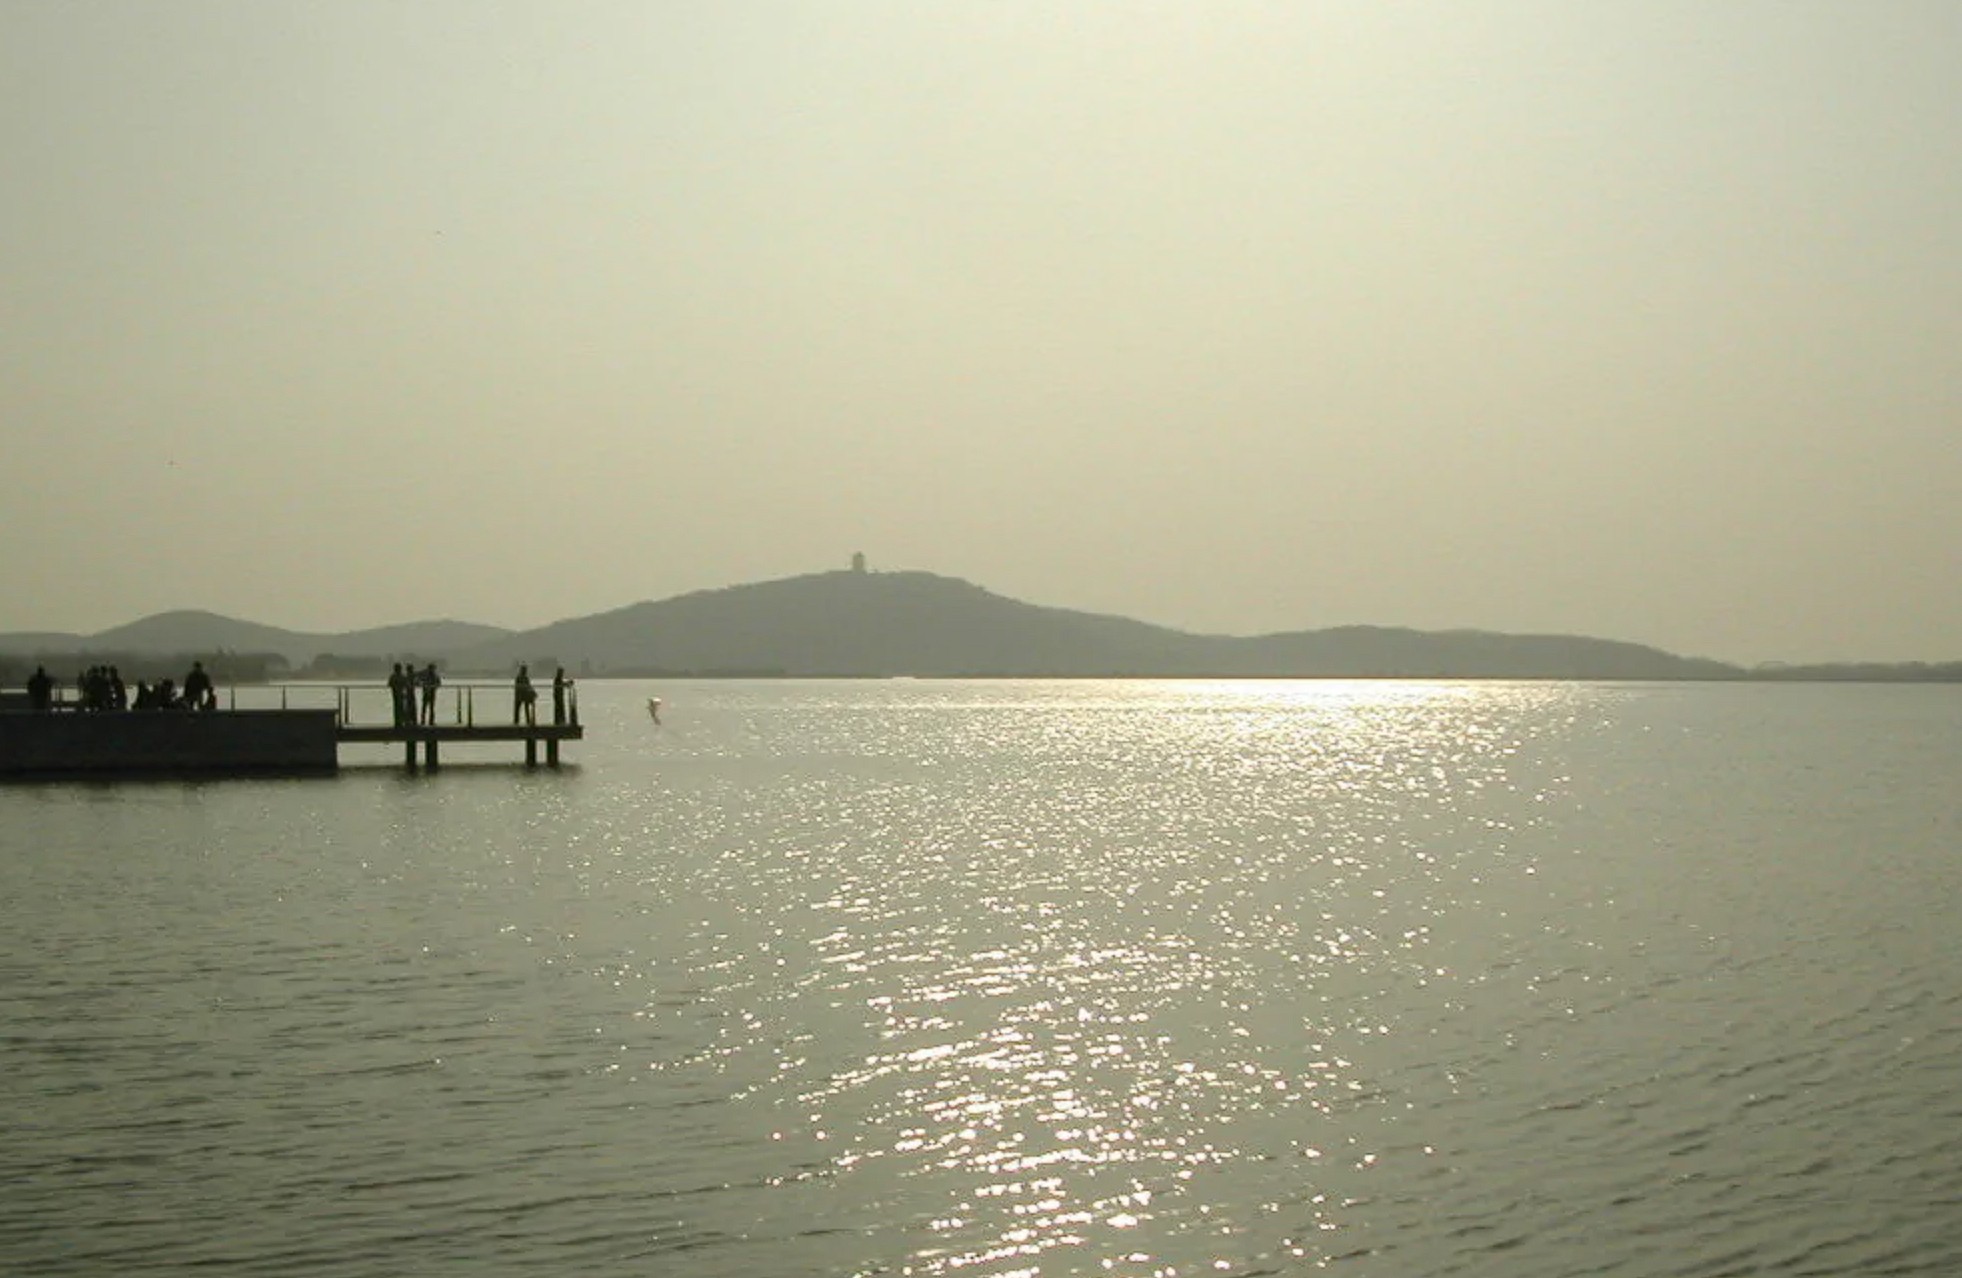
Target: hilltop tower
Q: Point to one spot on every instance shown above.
(858, 561)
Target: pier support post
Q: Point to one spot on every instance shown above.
(409, 754)
(430, 760)
(552, 753)
(531, 752)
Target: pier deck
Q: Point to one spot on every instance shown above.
(455, 715)
(279, 728)
(432, 736)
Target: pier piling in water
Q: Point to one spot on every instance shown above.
(432, 738)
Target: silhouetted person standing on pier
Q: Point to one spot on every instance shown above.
(524, 698)
(429, 681)
(197, 689)
(400, 697)
(40, 689)
(559, 685)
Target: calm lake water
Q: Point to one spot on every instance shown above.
(946, 978)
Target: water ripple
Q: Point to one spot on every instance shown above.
(949, 979)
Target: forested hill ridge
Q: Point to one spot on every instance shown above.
(923, 624)
(190, 631)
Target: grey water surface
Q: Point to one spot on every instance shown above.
(948, 978)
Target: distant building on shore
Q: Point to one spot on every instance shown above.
(858, 561)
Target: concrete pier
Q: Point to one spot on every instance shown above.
(68, 742)
(148, 743)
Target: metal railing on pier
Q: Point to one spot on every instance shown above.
(454, 704)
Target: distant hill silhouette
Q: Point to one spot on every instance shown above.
(918, 623)
(923, 624)
(191, 631)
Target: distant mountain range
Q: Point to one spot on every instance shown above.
(195, 632)
(922, 624)
(916, 623)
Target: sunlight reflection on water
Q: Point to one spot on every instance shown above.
(1137, 949)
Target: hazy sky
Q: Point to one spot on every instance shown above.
(1632, 319)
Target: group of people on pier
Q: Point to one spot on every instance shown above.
(404, 682)
(407, 686)
(101, 690)
(524, 697)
